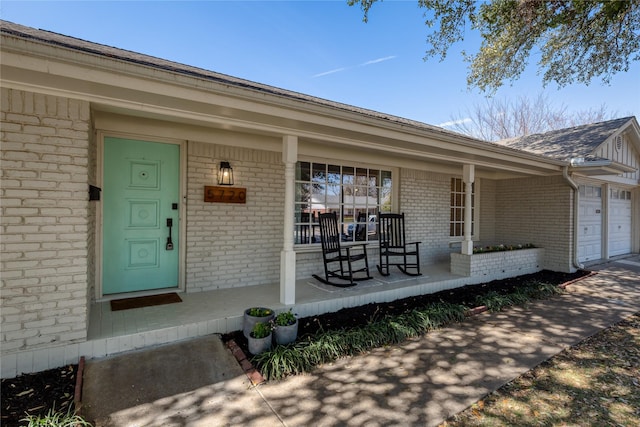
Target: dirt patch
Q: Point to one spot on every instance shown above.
(595, 383)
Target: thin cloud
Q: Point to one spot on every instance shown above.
(376, 61)
(454, 122)
(337, 70)
(364, 64)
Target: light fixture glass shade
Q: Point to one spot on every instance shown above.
(225, 174)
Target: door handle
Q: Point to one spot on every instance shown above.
(169, 245)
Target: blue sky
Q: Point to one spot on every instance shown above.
(320, 48)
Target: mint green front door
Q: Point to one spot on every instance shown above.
(140, 201)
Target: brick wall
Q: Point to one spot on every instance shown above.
(538, 211)
(234, 245)
(498, 265)
(487, 202)
(44, 154)
(424, 198)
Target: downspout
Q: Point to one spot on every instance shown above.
(576, 207)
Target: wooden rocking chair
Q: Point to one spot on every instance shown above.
(394, 250)
(339, 260)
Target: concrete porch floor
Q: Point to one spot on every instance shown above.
(221, 311)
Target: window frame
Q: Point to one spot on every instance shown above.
(313, 246)
(475, 215)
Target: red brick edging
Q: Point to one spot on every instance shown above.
(565, 284)
(252, 373)
(77, 395)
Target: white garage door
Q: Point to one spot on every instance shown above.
(590, 223)
(619, 222)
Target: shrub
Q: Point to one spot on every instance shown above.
(328, 346)
(55, 419)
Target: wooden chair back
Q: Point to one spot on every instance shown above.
(392, 234)
(329, 232)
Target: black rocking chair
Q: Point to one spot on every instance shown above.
(394, 250)
(339, 260)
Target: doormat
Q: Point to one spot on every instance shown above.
(138, 302)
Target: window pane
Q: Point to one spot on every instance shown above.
(374, 178)
(303, 192)
(319, 173)
(347, 175)
(303, 171)
(333, 176)
(386, 179)
(361, 176)
(301, 213)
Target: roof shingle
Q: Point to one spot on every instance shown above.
(564, 144)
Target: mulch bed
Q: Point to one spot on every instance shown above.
(54, 388)
(353, 317)
(36, 393)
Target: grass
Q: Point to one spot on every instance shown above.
(55, 418)
(595, 383)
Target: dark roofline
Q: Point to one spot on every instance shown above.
(574, 128)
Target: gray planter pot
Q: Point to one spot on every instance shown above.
(249, 321)
(259, 345)
(286, 334)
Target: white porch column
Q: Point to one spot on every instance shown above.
(288, 255)
(468, 172)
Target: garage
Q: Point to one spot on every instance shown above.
(590, 223)
(619, 242)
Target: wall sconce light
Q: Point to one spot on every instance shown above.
(225, 174)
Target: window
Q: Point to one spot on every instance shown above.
(590, 191)
(456, 227)
(620, 194)
(355, 194)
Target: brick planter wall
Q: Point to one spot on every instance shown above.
(498, 265)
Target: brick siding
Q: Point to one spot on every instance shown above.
(45, 144)
(424, 198)
(497, 265)
(538, 211)
(234, 245)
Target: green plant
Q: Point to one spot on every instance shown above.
(494, 301)
(328, 346)
(285, 318)
(259, 312)
(56, 419)
(261, 330)
(501, 248)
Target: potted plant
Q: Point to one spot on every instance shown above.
(286, 327)
(255, 315)
(260, 338)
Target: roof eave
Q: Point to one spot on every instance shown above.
(601, 167)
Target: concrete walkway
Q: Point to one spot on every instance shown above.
(418, 383)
